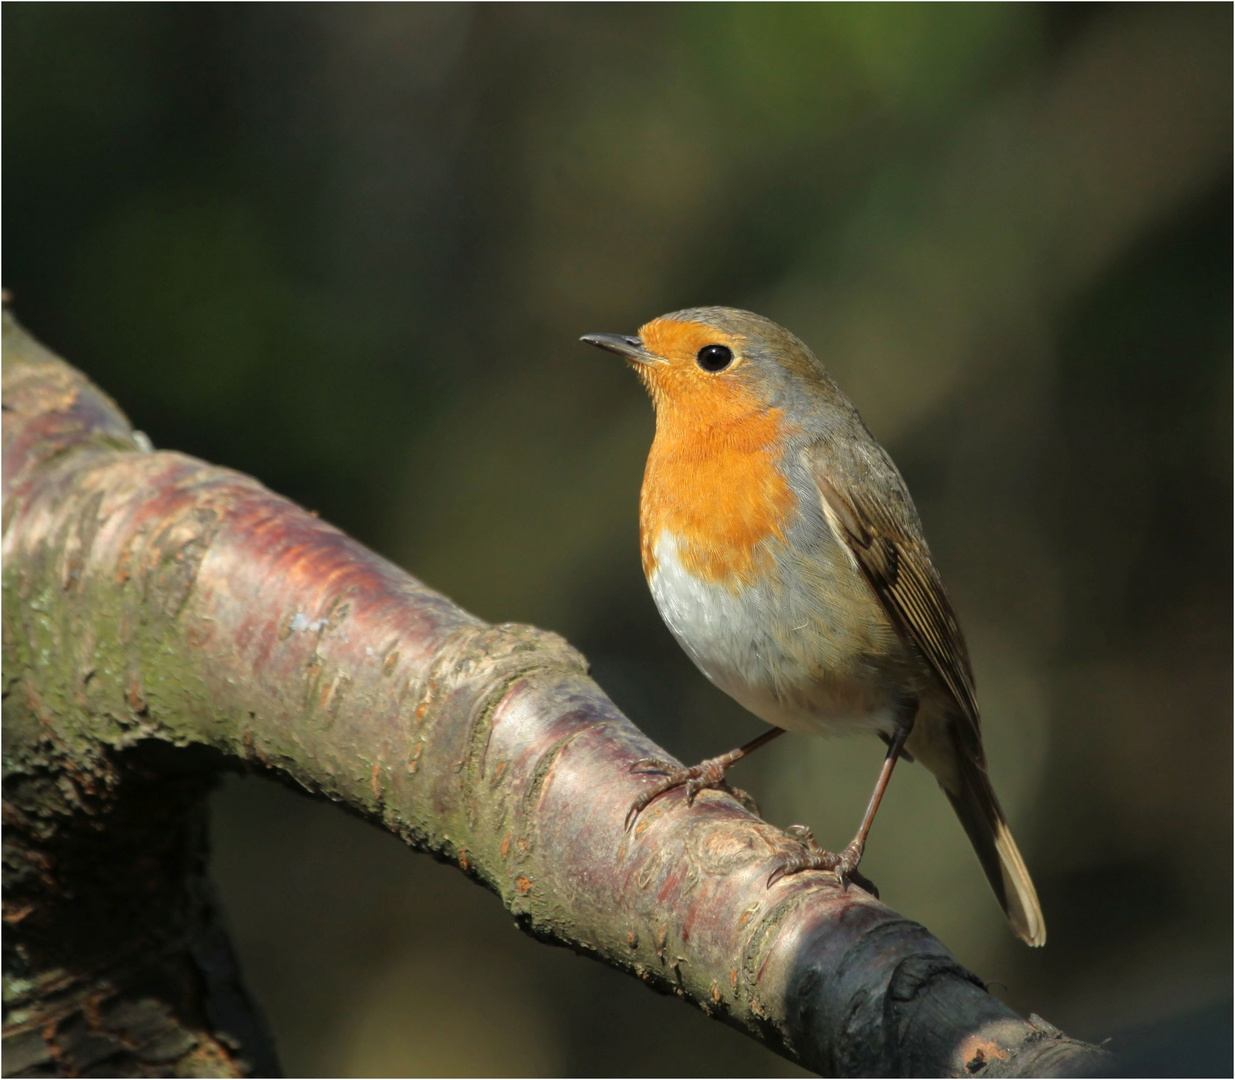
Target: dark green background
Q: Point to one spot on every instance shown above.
(349, 249)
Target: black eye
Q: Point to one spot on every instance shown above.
(714, 357)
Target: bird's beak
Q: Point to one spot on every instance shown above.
(630, 348)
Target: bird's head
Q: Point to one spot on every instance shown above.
(710, 365)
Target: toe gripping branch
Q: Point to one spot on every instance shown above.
(711, 774)
(845, 864)
(695, 778)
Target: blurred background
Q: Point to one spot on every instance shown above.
(349, 250)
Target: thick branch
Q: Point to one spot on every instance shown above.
(153, 601)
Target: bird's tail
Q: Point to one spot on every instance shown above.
(975, 804)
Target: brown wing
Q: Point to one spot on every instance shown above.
(886, 541)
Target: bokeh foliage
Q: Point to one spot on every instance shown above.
(348, 249)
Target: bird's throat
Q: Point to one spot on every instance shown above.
(717, 486)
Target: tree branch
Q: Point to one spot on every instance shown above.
(165, 619)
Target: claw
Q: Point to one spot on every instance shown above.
(784, 870)
(746, 799)
(707, 774)
(651, 765)
(844, 865)
(631, 815)
(645, 800)
(641, 804)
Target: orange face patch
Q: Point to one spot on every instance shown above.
(680, 378)
(681, 341)
(712, 479)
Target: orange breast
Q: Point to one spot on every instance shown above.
(712, 482)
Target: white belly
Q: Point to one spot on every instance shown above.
(757, 644)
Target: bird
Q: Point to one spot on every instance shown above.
(785, 555)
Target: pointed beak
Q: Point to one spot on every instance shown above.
(629, 348)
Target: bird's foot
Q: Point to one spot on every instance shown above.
(843, 864)
(696, 778)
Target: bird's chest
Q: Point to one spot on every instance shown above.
(794, 657)
(722, 495)
(759, 594)
(722, 623)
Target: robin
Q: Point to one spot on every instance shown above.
(785, 554)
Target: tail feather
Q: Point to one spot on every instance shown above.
(975, 804)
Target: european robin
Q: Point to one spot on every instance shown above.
(785, 554)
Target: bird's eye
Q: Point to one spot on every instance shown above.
(714, 357)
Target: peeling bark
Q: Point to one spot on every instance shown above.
(165, 619)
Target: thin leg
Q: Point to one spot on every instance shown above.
(845, 864)
(755, 743)
(881, 785)
(707, 774)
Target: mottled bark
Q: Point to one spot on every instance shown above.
(165, 619)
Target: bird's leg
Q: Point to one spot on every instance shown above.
(844, 864)
(707, 774)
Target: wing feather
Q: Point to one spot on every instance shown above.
(885, 539)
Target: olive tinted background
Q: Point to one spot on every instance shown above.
(349, 250)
